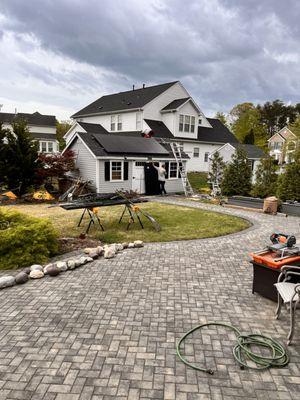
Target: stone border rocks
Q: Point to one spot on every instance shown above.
(37, 271)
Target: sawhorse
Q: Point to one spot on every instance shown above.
(93, 214)
(132, 210)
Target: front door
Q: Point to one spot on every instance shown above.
(138, 177)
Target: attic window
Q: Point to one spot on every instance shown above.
(100, 107)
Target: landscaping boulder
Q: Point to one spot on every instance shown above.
(53, 270)
(21, 277)
(27, 270)
(100, 250)
(93, 254)
(82, 260)
(36, 274)
(46, 268)
(88, 259)
(6, 281)
(87, 250)
(62, 266)
(130, 245)
(71, 264)
(138, 243)
(78, 262)
(119, 247)
(36, 267)
(125, 245)
(109, 252)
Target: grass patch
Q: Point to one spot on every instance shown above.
(198, 180)
(177, 222)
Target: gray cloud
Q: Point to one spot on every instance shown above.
(224, 51)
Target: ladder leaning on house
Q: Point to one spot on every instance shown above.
(188, 190)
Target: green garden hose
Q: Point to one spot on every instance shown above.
(242, 351)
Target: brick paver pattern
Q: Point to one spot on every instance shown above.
(108, 330)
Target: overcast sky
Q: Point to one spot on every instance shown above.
(56, 56)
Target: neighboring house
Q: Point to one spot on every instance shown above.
(42, 128)
(254, 154)
(167, 110)
(282, 144)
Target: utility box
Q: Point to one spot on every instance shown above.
(270, 205)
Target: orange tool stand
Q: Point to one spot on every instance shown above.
(266, 270)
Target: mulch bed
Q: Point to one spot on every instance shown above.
(68, 244)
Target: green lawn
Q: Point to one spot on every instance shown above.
(198, 180)
(178, 223)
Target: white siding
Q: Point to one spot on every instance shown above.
(42, 129)
(152, 109)
(197, 164)
(110, 186)
(128, 120)
(174, 186)
(71, 132)
(186, 109)
(85, 162)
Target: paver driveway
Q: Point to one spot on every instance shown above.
(108, 330)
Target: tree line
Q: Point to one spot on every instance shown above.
(255, 124)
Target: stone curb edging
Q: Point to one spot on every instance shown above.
(37, 271)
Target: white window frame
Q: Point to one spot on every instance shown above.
(181, 122)
(173, 177)
(192, 126)
(119, 122)
(113, 123)
(122, 171)
(206, 156)
(187, 123)
(46, 142)
(138, 121)
(196, 154)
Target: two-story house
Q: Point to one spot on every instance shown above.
(42, 128)
(282, 144)
(167, 113)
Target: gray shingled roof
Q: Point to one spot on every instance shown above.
(99, 149)
(253, 152)
(131, 99)
(32, 119)
(175, 104)
(219, 133)
(159, 128)
(41, 136)
(92, 128)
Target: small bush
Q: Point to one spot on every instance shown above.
(25, 240)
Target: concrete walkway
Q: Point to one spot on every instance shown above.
(109, 329)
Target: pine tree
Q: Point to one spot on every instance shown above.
(20, 152)
(266, 178)
(216, 168)
(237, 175)
(289, 182)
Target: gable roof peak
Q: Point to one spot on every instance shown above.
(124, 101)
